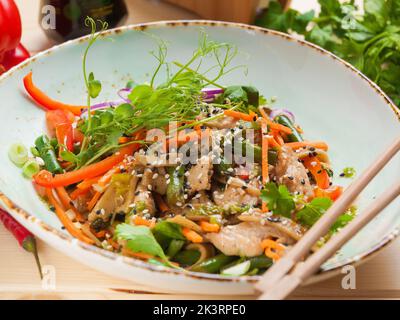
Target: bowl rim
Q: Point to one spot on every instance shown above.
(27, 219)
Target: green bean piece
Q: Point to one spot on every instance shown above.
(214, 264)
(256, 150)
(47, 153)
(174, 247)
(187, 257)
(295, 136)
(260, 262)
(175, 188)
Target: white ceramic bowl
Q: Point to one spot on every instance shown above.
(331, 100)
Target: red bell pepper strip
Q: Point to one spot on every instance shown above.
(46, 179)
(46, 102)
(65, 136)
(25, 239)
(57, 117)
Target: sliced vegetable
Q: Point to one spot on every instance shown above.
(294, 136)
(214, 264)
(57, 117)
(46, 102)
(237, 270)
(68, 224)
(174, 247)
(318, 172)
(65, 136)
(332, 193)
(187, 257)
(30, 168)
(46, 179)
(47, 153)
(192, 236)
(238, 115)
(18, 154)
(209, 227)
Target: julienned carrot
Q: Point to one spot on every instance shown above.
(333, 192)
(238, 115)
(318, 172)
(139, 221)
(46, 179)
(264, 158)
(209, 227)
(93, 201)
(272, 142)
(273, 125)
(46, 102)
(74, 231)
(192, 236)
(316, 144)
(88, 183)
(67, 202)
(78, 192)
(278, 138)
(273, 249)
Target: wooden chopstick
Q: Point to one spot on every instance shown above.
(321, 227)
(305, 269)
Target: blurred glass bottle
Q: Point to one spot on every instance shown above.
(69, 19)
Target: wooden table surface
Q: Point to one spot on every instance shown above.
(377, 278)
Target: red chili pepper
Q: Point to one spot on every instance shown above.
(24, 237)
(11, 51)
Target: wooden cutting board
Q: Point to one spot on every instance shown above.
(377, 278)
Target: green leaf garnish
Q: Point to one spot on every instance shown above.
(313, 210)
(140, 239)
(369, 40)
(278, 199)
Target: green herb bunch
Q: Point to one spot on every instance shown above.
(370, 41)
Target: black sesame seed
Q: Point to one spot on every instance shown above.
(291, 178)
(303, 181)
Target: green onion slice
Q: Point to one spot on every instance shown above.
(18, 154)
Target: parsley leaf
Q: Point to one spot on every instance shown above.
(313, 210)
(278, 198)
(139, 239)
(369, 40)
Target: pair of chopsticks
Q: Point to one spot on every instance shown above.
(290, 271)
